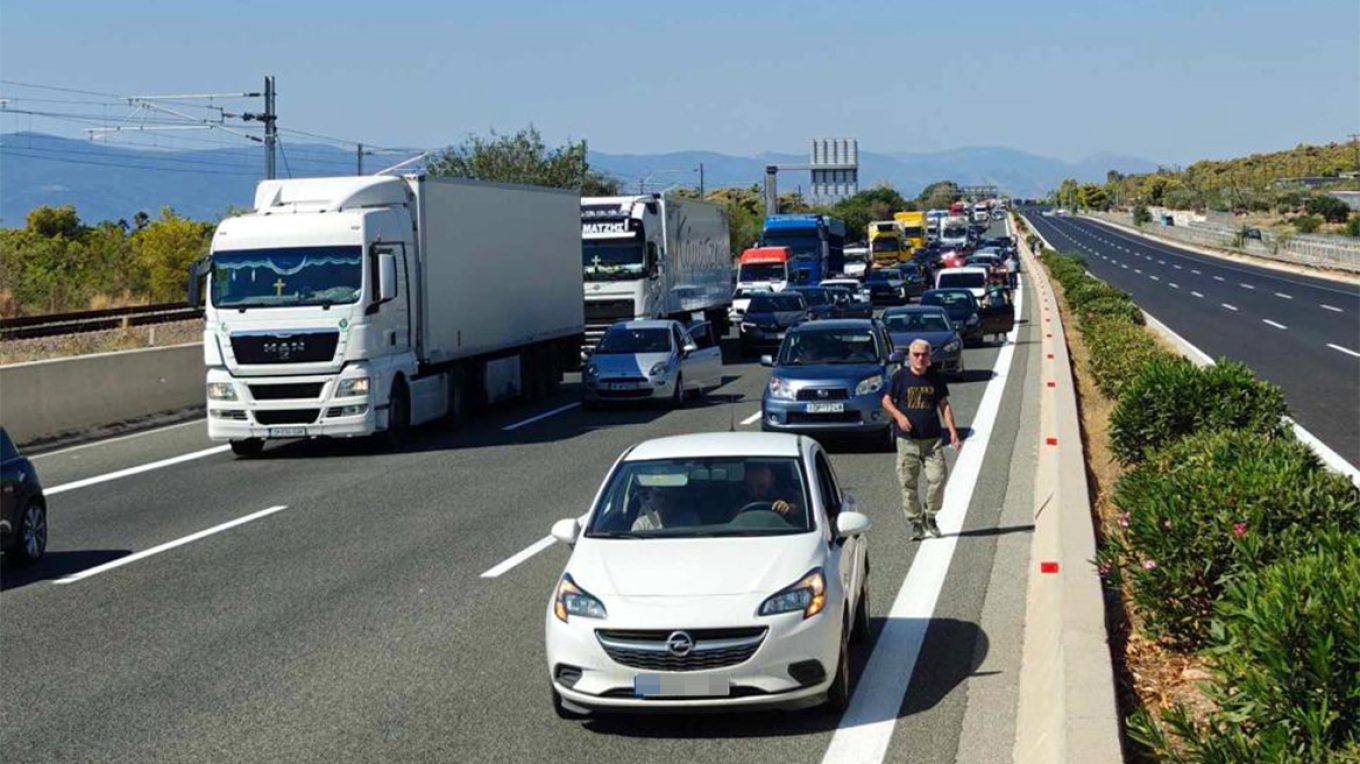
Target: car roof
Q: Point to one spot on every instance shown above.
(716, 444)
(965, 269)
(904, 309)
(646, 323)
(835, 323)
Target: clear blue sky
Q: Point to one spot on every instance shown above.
(1170, 81)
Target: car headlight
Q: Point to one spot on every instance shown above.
(659, 368)
(221, 391)
(571, 599)
(869, 385)
(780, 388)
(592, 371)
(352, 387)
(808, 595)
(952, 346)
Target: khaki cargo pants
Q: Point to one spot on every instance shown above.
(912, 455)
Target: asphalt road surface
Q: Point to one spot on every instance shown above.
(1299, 332)
(347, 615)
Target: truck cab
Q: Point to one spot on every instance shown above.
(913, 227)
(885, 244)
(759, 269)
(816, 244)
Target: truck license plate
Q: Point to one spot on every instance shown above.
(693, 686)
(287, 432)
(825, 408)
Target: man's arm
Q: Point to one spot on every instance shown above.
(901, 419)
(947, 412)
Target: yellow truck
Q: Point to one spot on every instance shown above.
(886, 247)
(913, 227)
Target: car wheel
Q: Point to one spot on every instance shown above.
(248, 447)
(32, 533)
(838, 694)
(678, 397)
(561, 710)
(860, 633)
(398, 419)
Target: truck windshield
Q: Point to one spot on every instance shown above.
(612, 259)
(886, 245)
(287, 277)
(954, 232)
(762, 272)
(802, 246)
(913, 232)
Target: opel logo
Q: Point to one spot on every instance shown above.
(679, 644)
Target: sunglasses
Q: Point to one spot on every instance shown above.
(921, 355)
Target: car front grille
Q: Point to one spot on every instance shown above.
(823, 394)
(832, 417)
(712, 648)
(311, 390)
(286, 416)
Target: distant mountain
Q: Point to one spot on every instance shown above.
(108, 182)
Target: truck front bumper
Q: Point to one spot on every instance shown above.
(310, 415)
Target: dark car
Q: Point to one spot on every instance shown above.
(769, 316)
(886, 285)
(23, 510)
(821, 305)
(963, 309)
(930, 323)
(848, 304)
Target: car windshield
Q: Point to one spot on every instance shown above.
(916, 322)
(882, 276)
(954, 232)
(761, 272)
(295, 276)
(814, 296)
(829, 346)
(703, 497)
(947, 299)
(612, 259)
(774, 303)
(621, 340)
(962, 280)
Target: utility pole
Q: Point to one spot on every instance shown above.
(359, 160)
(271, 130)
(701, 180)
(1355, 141)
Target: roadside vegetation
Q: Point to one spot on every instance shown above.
(1235, 552)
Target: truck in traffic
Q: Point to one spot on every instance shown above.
(913, 225)
(816, 244)
(954, 233)
(353, 306)
(759, 269)
(654, 256)
(885, 244)
(856, 261)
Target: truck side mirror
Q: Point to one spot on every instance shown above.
(653, 261)
(387, 277)
(198, 270)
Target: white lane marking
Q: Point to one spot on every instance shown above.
(1197, 294)
(1173, 285)
(1272, 323)
(97, 479)
(106, 441)
(1283, 295)
(544, 415)
(1218, 278)
(1197, 273)
(1246, 286)
(167, 546)
(1332, 307)
(1161, 262)
(521, 556)
(1177, 267)
(1226, 305)
(1155, 278)
(1347, 351)
(865, 729)
(752, 419)
(1139, 271)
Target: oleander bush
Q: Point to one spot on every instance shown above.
(1284, 653)
(1118, 350)
(1205, 510)
(1171, 398)
(1121, 308)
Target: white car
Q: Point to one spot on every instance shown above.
(714, 572)
(651, 360)
(974, 279)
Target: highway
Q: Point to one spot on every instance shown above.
(334, 601)
(1299, 332)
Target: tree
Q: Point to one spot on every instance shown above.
(52, 222)
(1330, 208)
(165, 248)
(1141, 216)
(523, 158)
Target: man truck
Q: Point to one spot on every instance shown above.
(816, 245)
(354, 306)
(654, 256)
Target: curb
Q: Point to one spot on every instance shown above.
(1067, 711)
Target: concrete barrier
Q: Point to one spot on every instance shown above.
(1067, 711)
(42, 400)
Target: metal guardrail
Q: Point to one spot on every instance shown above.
(56, 324)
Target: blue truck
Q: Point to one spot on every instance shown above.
(816, 245)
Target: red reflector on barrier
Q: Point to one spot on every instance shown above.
(1050, 355)
(1048, 567)
(1051, 441)
(1052, 384)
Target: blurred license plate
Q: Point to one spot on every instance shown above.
(620, 385)
(693, 686)
(825, 408)
(287, 432)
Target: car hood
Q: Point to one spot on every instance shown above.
(828, 371)
(626, 364)
(782, 318)
(693, 567)
(937, 340)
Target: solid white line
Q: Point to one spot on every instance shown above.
(1272, 323)
(1247, 286)
(121, 561)
(867, 726)
(1197, 294)
(1332, 307)
(1347, 351)
(115, 440)
(1226, 305)
(97, 479)
(1282, 294)
(521, 556)
(752, 419)
(544, 415)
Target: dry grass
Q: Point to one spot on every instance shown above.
(44, 348)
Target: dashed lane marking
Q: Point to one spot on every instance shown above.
(1274, 324)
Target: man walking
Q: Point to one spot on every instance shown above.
(916, 400)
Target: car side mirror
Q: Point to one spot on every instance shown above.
(690, 347)
(387, 277)
(767, 360)
(566, 530)
(850, 523)
(898, 356)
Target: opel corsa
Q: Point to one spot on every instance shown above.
(713, 572)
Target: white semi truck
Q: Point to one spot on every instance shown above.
(344, 307)
(654, 256)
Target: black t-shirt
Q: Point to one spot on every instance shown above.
(918, 398)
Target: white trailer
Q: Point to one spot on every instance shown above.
(345, 307)
(654, 256)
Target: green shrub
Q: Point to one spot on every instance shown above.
(1285, 657)
(1203, 511)
(1086, 289)
(1307, 223)
(1171, 398)
(1118, 350)
(1141, 215)
(1111, 307)
(1328, 207)
(1353, 226)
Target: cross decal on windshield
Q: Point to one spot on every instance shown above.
(278, 287)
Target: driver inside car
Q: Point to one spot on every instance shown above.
(762, 486)
(658, 509)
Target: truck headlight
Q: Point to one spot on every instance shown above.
(571, 599)
(808, 595)
(351, 387)
(221, 391)
(869, 385)
(780, 388)
(658, 368)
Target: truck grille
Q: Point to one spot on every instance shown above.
(711, 648)
(297, 347)
(286, 416)
(310, 390)
(608, 310)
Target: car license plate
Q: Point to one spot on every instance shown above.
(619, 386)
(686, 686)
(825, 408)
(287, 432)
